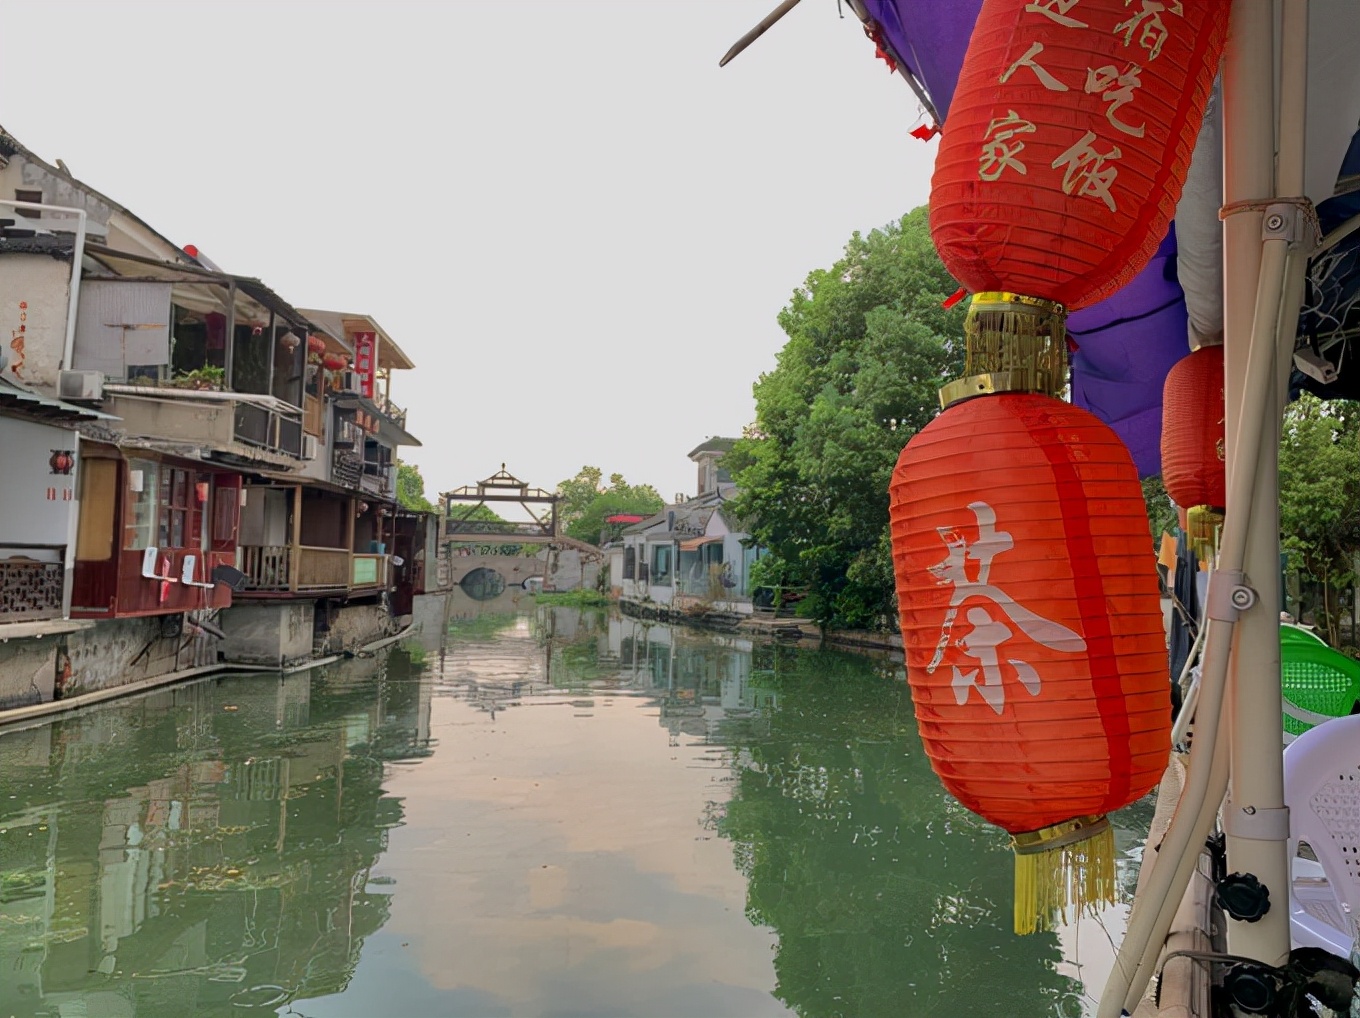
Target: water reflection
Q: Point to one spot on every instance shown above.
(201, 849)
(563, 812)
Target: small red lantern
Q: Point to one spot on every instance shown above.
(1193, 469)
(62, 461)
(335, 362)
(1032, 629)
(316, 345)
(1068, 140)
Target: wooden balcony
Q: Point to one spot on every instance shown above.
(304, 570)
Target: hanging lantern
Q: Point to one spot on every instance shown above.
(289, 341)
(1028, 595)
(335, 362)
(1033, 632)
(316, 345)
(1192, 430)
(1068, 140)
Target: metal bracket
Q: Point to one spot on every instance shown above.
(1282, 221)
(1229, 596)
(1253, 823)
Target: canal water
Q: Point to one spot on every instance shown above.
(548, 813)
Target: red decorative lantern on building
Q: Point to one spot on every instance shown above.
(335, 362)
(1026, 584)
(316, 346)
(1193, 469)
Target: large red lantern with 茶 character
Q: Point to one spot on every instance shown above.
(1193, 467)
(1033, 631)
(1025, 575)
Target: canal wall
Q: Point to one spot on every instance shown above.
(44, 674)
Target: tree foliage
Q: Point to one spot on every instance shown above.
(411, 488)
(586, 503)
(1161, 512)
(1320, 497)
(869, 345)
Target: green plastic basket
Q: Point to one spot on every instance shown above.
(1318, 680)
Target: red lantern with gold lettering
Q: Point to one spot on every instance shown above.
(1025, 578)
(1068, 141)
(1193, 469)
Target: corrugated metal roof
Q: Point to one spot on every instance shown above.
(21, 398)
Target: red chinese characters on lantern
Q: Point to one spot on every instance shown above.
(1073, 122)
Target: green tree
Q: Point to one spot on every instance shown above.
(576, 493)
(411, 488)
(1161, 513)
(869, 346)
(1320, 498)
(586, 504)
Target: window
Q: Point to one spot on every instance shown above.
(143, 498)
(181, 517)
(629, 563)
(661, 565)
(34, 196)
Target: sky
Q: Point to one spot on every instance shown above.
(577, 225)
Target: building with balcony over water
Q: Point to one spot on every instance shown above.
(216, 464)
(694, 554)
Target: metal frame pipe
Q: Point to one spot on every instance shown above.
(1255, 278)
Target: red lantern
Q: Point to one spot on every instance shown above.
(1192, 430)
(335, 362)
(316, 345)
(1068, 141)
(1032, 627)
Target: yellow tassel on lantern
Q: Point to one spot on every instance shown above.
(1203, 525)
(1066, 867)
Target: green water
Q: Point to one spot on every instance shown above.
(559, 814)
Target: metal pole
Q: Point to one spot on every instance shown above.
(1254, 818)
(229, 339)
(1252, 297)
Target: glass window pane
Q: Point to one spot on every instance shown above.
(140, 518)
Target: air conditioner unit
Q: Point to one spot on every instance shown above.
(81, 384)
(309, 447)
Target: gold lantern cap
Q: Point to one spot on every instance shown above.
(1013, 343)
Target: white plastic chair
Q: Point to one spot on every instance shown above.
(1322, 790)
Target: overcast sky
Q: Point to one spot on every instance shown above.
(577, 225)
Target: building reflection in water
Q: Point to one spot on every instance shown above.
(202, 848)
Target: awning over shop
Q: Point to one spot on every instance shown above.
(695, 543)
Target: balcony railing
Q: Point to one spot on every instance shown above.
(30, 591)
(285, 568)
(257, 426)
(389, 409)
